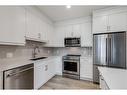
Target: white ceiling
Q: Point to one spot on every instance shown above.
(57, 13)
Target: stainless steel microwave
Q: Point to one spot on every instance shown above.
(72, 42)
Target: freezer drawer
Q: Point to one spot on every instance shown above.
(19, 78)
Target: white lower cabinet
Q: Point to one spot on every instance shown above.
(58, 62)
(50, 68)
(1, 80)
(39, 74)
(103, 84)
(86, 68)
(43, 71)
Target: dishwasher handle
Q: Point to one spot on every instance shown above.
(12, 74)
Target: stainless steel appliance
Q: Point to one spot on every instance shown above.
(72, 42)
(71, 66)
(109, 50)
(19, 78)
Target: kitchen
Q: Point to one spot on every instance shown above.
(39, 46)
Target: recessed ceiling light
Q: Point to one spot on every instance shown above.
(68, 6)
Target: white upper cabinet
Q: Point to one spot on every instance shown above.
(86, 34)
(117, 22)
(110, 20)
(12, 25)
(76, 30)
(100, 24)
(30, 25)
(50, 36)
(59, 35)
(68, 29)
(72, 30)
(36, 28)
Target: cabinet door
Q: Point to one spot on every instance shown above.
(86, 34)
(76, 30)
(59, 36)
(1, 80)
(50, 36)
(51, 68)
(100, 24)
(68, 31)
(118, 22)
(40, 31)
(58, 62)
(12, 25)
(86, 67)
(45, 31)
(30, 25)
(39, 75)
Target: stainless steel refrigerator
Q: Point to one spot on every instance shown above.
(109, 50)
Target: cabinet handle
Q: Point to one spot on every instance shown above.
(72, 34)
(46, 67)
(109, 28)
(39, 35)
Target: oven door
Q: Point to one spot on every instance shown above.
(71, 67)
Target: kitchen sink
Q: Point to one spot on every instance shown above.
(39, 58)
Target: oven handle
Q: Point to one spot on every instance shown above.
(71, 60)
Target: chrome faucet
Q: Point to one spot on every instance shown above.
(34, 51)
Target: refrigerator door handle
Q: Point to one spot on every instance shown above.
(110, 50)
(106, 50)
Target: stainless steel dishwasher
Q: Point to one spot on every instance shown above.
(19, 78)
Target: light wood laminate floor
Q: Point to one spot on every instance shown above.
(59, 82)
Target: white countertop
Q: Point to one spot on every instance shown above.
(6, 64)
(115, 78)
(9, 63)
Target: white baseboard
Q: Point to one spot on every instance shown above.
(87, 79)
(59, 74)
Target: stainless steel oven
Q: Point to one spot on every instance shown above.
(71, 66)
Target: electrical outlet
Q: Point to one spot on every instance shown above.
(57, 51)
(9, 55)
(48, 51)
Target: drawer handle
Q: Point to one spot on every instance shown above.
(46, 67)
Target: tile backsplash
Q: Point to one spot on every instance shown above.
(26, 51)
(86, 51)
(23, 51)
